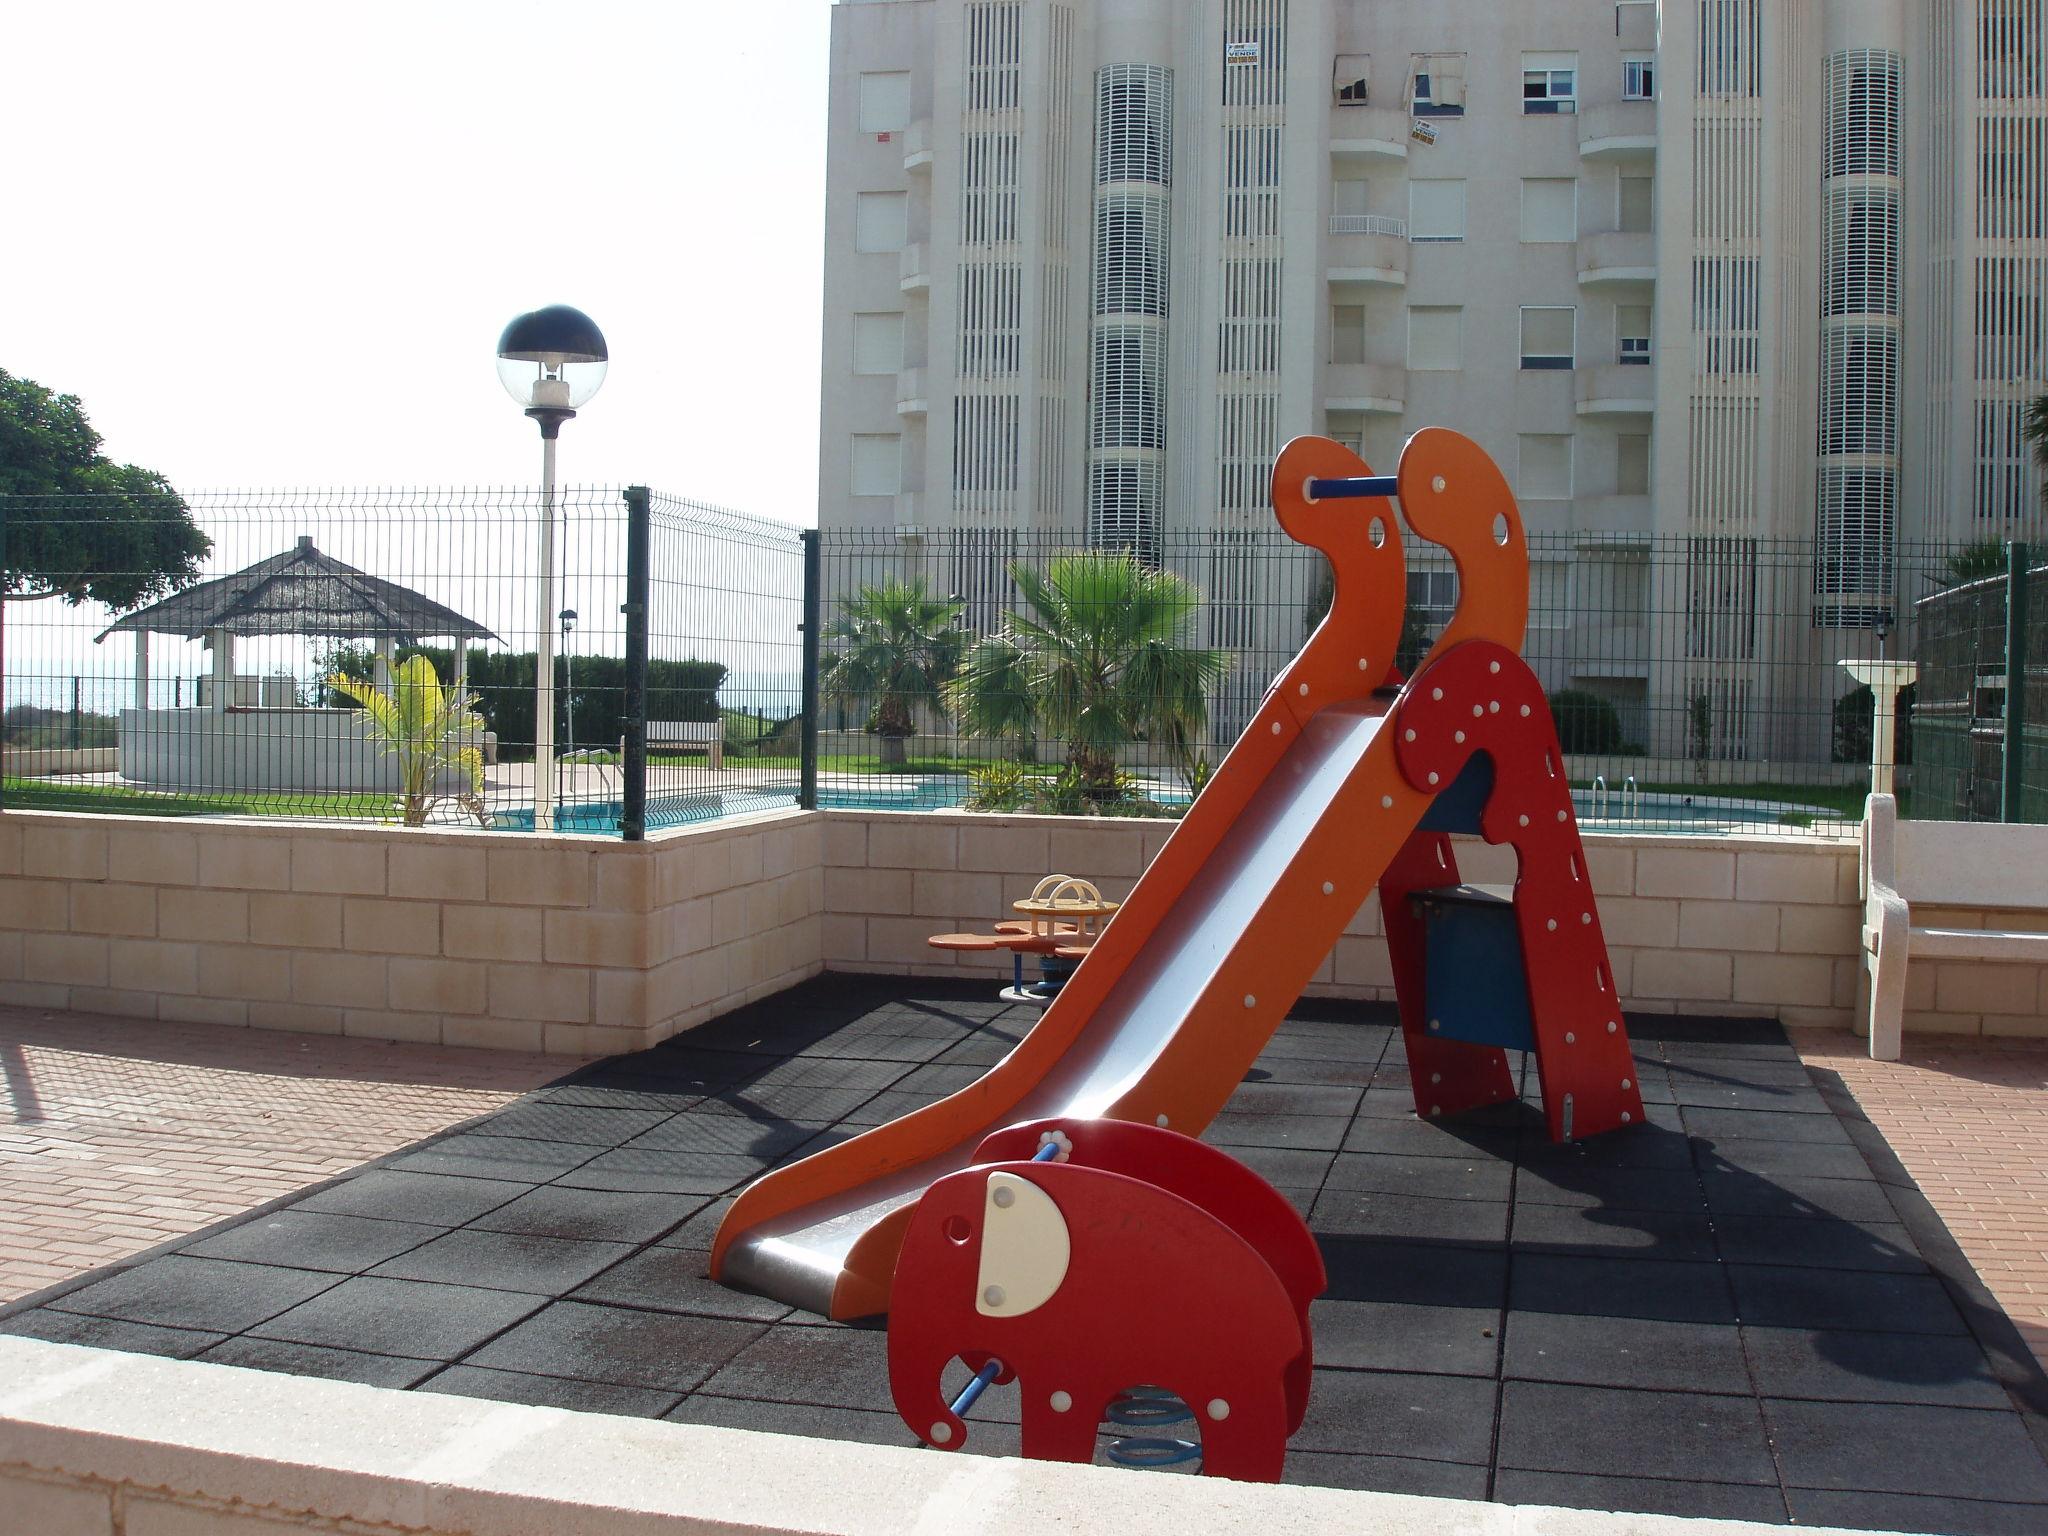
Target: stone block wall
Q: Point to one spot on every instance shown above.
(1971, 997)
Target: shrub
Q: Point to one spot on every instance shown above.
(1856, 718)
(1586, 723)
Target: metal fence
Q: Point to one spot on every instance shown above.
(1980, 725)
(224, 654)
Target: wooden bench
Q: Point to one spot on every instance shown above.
(1908, 864)
(706, 736)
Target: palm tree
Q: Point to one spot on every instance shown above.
(1100, 659)
(2035, 430)
(897, 646)
(423, 725)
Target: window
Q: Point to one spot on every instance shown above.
(1639, 79)
(881, 221)
(877, 464)
(1545, 472)
(1632, 332)
(1436, 210)
(1433, 595)
(1550, 82)
(1439, 84)
(1550, 210)
(884, 102)
(1635, 215)
(1548, 336)
(1632, 464)
(877, 343)
(1434, 337)
(1350, 200)
(1348, 79)
(1347, 333)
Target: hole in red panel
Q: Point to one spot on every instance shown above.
(1573, 860)
(1377, 532)
(958, 1229)
(1550, 764)
(1600, 977)
(1500, 528)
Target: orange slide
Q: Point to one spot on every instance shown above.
(1229, 923)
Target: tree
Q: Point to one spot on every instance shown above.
(423, 725)
(1975, 561)
(1102, 658)
(132, 542)
(2035, 429)
(1409, 650)
(1586, 722)
(893, 646)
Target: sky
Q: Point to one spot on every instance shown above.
(274, 244)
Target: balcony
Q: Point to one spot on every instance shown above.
(1603, 648)
(1605, 516)
(914, 268)
(1371, 389)
(1617, 256)
(917, 147)
(911, 397)
(1616, 389)
(1616, 130)
(1368, 134)
(1367, 249)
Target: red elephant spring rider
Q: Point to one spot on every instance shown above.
(1082, 1258)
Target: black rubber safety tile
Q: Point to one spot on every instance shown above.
(1617, 1189)
(940, 1078)
(802, 1102)
(1617, 1432)
(1733, 1191)
(701, 1227)
(552, 1392)
(1408, 1136)
(1625, 1352)
(1400, 1336)
(1386, 1474)
(670, 1069)
(1294, 1167)
(109, 1333)
(517, 1158)
(1592, 1230)
(1322, 1133)
(1818, 1243)
(1641, 1495)
(1364, 1213)
(1293, 1099)
(1748, 1125)
(1311, 1071)
(831, 1367)
(1389, 1100)
(506, 1261)
(1666, 1290)
(872, 1045)
(1399, 1413)
(1901, 1512)
(1933, 1369)
(538, 1120)
(804, 1072)
(652, 1171)
(1783, 1098)
(727, 1135)
(1773, 1296)
(213, 1295)
(1778, 1161)
(983, 1050)
(862, 1426)
(315, 1360)
(664, 1099)
(298, 1239)
(595, 1215)
(1965, 1453)
(890, 1104)
(1640, 1146)
(674, 1280)
(433, 1199)
(414, 1318)
(1432, 1178)
(667, 1351)
(1709, 1071)
(1430, 1273)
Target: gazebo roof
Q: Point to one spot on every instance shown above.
(302, 592)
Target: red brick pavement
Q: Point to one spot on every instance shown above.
(117, 1134)
(1969, 1119)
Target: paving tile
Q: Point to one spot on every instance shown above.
(1434, 1178)
(1421, 1272)
(575, 1123)
(551, 1392)
(1655, 1289)
(109, 1333)
(1603, 1229)
(1614, 1432)
(652, 1171)
(1386, 1474)
(1362, 1213)
(400, 1317)
(1861, 1367)
(1779, 1161)
(674, 1280)
(1736, 1192)
(313, 1360)
(314, 1240)
(1625, 1352)
(1321, 1132)
(1399, 1413)
(595, 1215)
(1641, 1495)
(1900, 1512)
(1771, 1296)
(1907, 1448)
(831, 1367)
(495, 1157)
(505, 1261)
(623, 1346)
(1407, 1136)
(1398, 1336)
(1818, 1243)
(435, 1199)
(1619, 1189)
(213, 1295)
(1747, 1125)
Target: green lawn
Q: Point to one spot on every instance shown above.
(42, 795)
(1844, 800)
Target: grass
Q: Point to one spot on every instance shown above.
(42, 795)
(1843, 800)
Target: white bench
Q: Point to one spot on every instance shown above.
(1941, 864)
(706, 736)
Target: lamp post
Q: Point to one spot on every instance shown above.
(568, 618)
(551, 361)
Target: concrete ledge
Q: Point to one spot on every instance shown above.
(90, 1436)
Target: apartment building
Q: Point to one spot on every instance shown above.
(1709, 279)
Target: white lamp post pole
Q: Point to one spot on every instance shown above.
(544, 675)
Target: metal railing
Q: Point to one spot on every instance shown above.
(1368, 224)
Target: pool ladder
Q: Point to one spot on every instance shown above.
(1631, 799)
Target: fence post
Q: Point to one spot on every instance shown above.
(633, 770)
(3, 647)
(814, 602)
(2015, 757)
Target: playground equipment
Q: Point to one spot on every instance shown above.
(1346, 779)
(1079, 1257)
(1061, 921)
